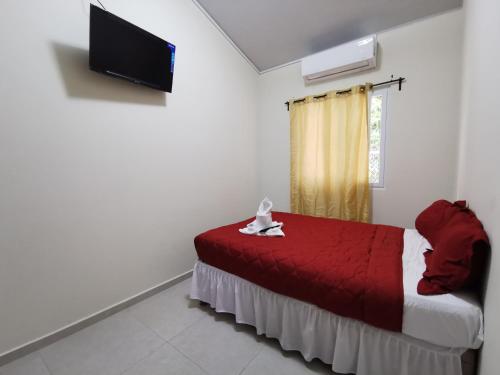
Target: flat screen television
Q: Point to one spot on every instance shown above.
(123, 50)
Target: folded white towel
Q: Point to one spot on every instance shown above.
(263, 225)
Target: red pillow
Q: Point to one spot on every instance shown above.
(431, 220)
(459, 252)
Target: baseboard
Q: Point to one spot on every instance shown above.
(52, 337)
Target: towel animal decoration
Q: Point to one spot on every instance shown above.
(263, 225)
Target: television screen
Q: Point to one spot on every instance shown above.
(122, 50)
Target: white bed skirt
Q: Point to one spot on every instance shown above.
(349, 345)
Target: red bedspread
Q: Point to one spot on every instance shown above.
(351, 269)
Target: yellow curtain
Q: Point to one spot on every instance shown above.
(329, 155)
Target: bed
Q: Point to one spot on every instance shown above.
(390, 330)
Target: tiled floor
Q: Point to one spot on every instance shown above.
(166, 334)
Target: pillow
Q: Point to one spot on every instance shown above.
(430, 221)
(460, 245)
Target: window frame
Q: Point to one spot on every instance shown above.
(383, 92)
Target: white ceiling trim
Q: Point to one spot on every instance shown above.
(231, 42)
(280, 66)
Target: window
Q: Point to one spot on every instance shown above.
(377, 120)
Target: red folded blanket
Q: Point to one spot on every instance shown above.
(349, 268)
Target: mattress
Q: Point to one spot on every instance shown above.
(453, 320)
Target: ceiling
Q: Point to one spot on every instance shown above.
(274, 32)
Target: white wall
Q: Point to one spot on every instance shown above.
(479, 172)
(104, 184)
(423, 121)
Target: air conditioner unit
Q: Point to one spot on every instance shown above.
(342, 60)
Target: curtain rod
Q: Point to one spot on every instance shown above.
(399, 80)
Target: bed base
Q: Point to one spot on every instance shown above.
(469, 362)
(351, 347)
(468, 359)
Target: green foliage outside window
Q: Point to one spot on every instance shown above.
(375, 138)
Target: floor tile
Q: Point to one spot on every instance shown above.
(30, 365)
(273, 360)
(165, 361)
(169, 312)
(218, 345)
(108, 347)
(133, 342)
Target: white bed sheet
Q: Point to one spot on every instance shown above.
(452, 320)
